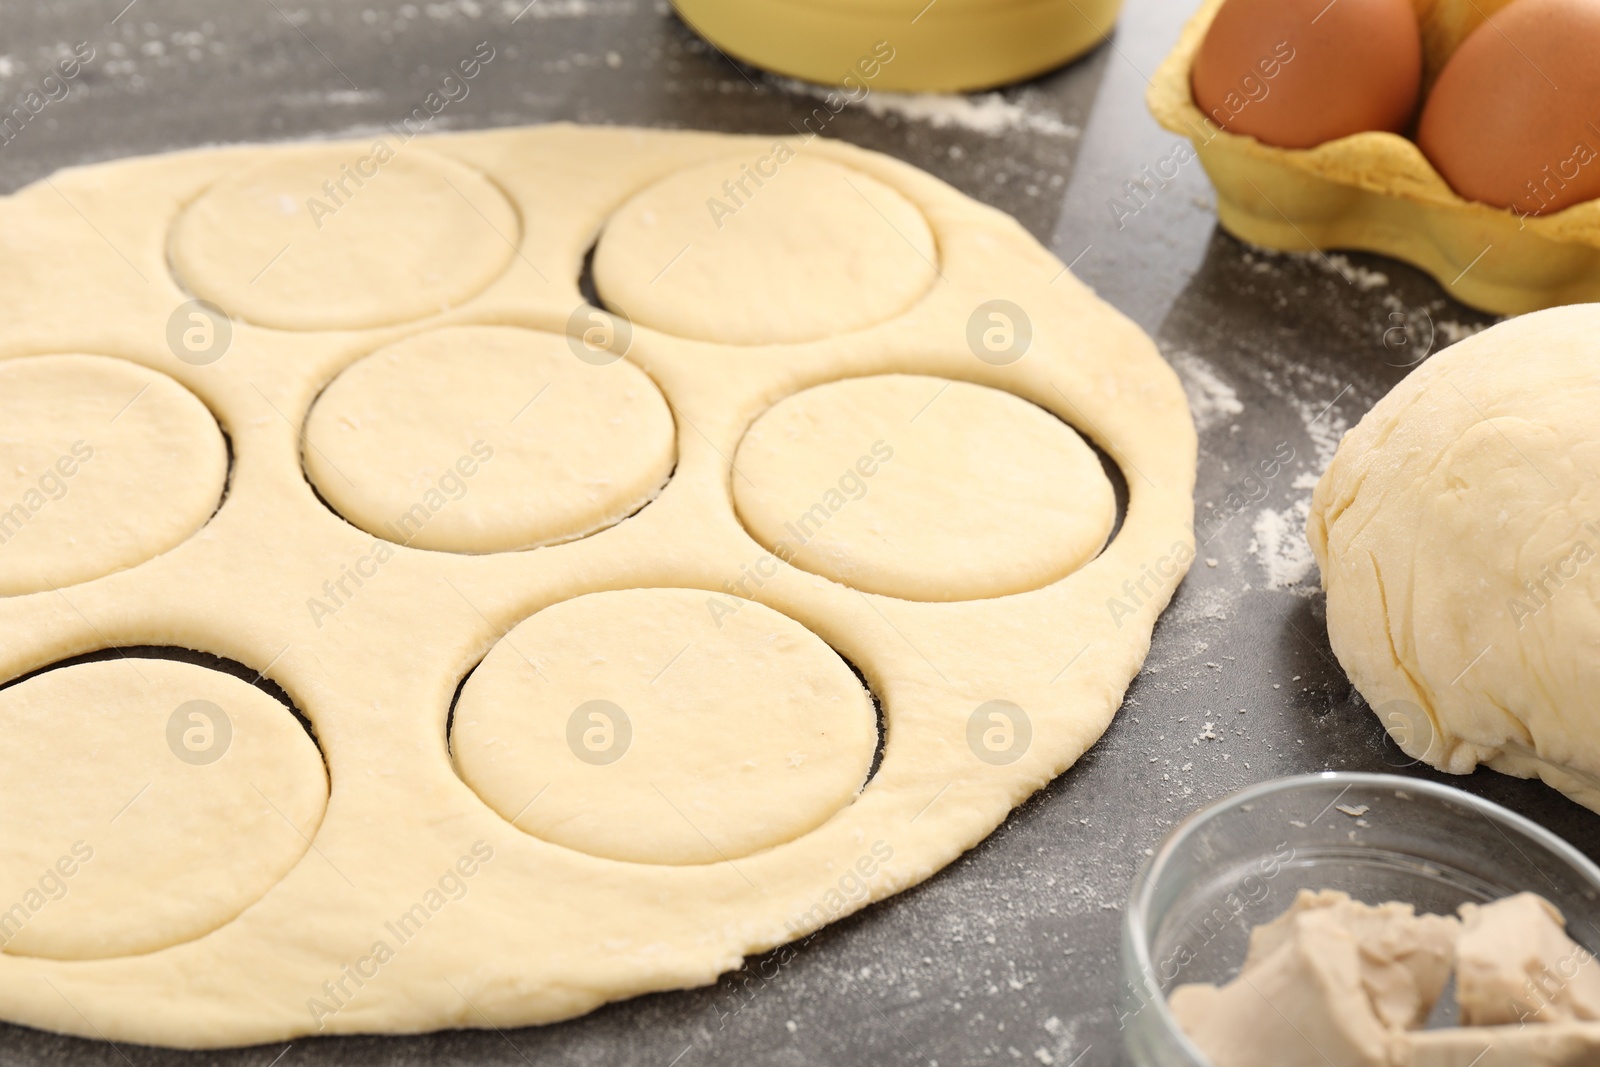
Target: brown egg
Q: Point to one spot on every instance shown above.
(1296, 73)
(1514, 119)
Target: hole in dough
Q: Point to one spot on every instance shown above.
(878, 716)
(922, 488)
(144, 802)
(104, 464)
(487, 439)
(195, 657)
(816, 250)
(1119, 486)
(586, 286)
(330, 238)
(652, 726)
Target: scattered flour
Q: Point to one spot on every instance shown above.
(1451, 331)
(1280, 547)
(1279, 544)
(1326, 428)
(986, 113)
(344, 97)
(445, 12)
(1065, 1035)
(1211, 400)
(564, 9)
(1418, 322)
(1362, 278)
(1202, 604)
(1417, 326)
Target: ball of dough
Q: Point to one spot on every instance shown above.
(1458, 531)
(922, 488)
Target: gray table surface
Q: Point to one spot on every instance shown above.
(1010, 955)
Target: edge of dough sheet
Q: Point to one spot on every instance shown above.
(541, 933)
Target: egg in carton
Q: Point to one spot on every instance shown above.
(1376, 191)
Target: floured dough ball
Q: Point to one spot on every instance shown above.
(487, 439)
(104, 464)
(1458, 532)
(645, 725)
(922, 488)
(144, 803)
(775, 249)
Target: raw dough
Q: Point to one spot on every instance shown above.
(344, 236)
(1516, 964)
(1458, 532)
(487, 438)
(814, 250)
(1335, 982)
(910, 486)
(642, 726)
(1554, 1045)
(371, 640)
(103, 464)
(1302, 1006)
(145, 802)
(1328, 981)
(1405, 957)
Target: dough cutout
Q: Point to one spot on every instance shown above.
(343, 237)
(980, 494)
(103, 465)
(487, 439)
(637, 725)
(715, 252)
(144, 803)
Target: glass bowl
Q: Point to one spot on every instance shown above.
(1239, 862)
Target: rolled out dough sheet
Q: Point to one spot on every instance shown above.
(442, 889)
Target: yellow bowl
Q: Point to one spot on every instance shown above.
(1377, 192)
(942, 46)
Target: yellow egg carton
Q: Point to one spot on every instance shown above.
(1377, 192)
(904, 45)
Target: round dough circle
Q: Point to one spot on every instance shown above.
(653, 731)
(922, 488)
(114, 844)
(1458, 533)
(103, 465)
(816, 250)
(282, 244)
(488, 439)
